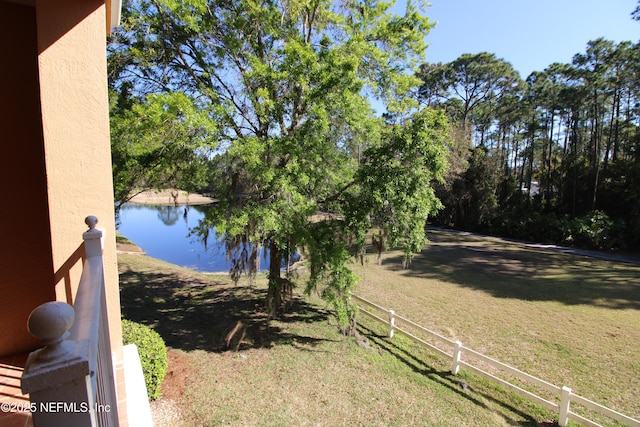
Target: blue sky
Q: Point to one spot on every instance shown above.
(529, 34)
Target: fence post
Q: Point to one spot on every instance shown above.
(565, 402)
(93, 241)
(58, 376)
(457, 354)
(392, 322)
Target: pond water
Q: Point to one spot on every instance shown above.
(163, 232)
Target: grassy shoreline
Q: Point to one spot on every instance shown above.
(563, 318)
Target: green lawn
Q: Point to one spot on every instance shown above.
(570, 320)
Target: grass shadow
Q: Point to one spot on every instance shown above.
(514, 270)
(447, 379)
(198, 312)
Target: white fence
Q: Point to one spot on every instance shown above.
(457, 350)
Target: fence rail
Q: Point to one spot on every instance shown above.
(456, 351)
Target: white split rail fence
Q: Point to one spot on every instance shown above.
(566, 396)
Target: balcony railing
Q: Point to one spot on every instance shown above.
(71, 381)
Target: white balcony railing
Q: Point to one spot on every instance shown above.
(71, 381)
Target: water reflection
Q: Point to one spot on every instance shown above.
(168, 214)
(164, 232)
(160, 232)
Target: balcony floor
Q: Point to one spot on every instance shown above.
(11, 368)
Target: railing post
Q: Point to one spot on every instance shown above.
(392, 322)
(71, 380)
(101, 364)
(57, 377)
(92, 238)
(457, 355)
(565, 404)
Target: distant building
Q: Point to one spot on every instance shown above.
(535, 188)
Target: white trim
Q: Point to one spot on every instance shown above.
(116, 14)
(138, 409)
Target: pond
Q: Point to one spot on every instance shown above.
(163, 232)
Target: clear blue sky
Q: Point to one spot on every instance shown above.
(530, 34)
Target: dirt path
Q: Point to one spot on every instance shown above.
(609, 256)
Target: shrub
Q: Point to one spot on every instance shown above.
(533, 226)
(153, 354)
(597, 231)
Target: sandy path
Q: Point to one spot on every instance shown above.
(170, 197)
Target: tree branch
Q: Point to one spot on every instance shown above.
(336, 196)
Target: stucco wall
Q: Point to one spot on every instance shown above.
(75, 118)
(25, 259)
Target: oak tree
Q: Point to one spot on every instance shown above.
(302, 162)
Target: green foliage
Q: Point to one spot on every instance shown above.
(533, 226)
(152, 351)
(288, 86)
(396, 195)
(160, 142)
(470, 86)
(559, 150)
(597, 231)
(470, 196)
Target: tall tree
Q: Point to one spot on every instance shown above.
(287, 84)
(571, 138)
(472, 90)
(595, 66)
(476, 81)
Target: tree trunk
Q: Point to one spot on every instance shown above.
(637, 150)
(547, 195)
(616, 135)
(574, 150)
(596, 150)
(565, 162)
(607, 150)
(627, 127)
(530, 167)
(274, 292)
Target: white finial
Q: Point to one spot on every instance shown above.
(91, 221)
(50, 323)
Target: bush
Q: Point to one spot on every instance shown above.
(153, 354)
(533, 226)
(597, 231)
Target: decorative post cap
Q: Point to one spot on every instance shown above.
(91, 221)
(50, 323)
(92, 237)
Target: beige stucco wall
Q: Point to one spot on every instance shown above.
(75, 119)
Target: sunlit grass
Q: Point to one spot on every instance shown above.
(569, 320)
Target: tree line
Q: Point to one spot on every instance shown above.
(553, 158)
(267, 106)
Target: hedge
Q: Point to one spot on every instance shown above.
(153, 354)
